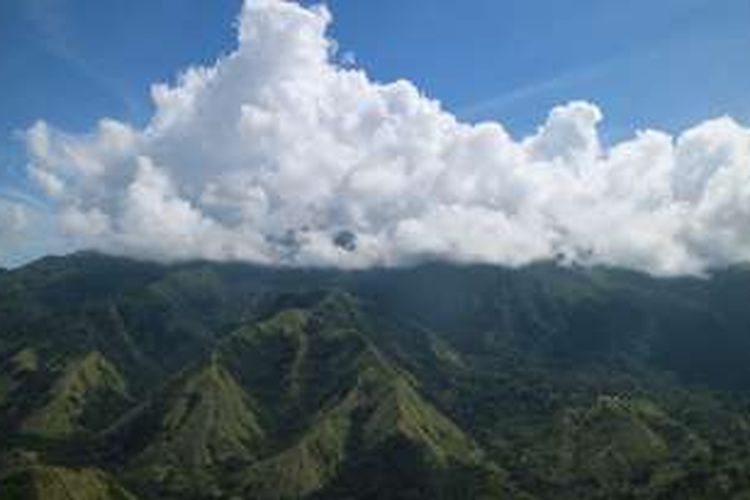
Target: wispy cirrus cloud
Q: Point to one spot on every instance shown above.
(49, 19)
(496, 105)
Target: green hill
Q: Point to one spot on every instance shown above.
(57, 483)
(204, 419)
(200, 380)
(372, 413)
(86, 396)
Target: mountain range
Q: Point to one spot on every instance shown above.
(122, 379)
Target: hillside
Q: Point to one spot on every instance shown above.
(57, 483)
(127, 379)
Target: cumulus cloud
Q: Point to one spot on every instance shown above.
(27, 229)
(15, 222)
(278, 153)
(13, 218)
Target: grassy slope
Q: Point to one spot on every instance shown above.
(205, 420)
(370, 406)
(88, 389)
(304, 396)
(57, 483)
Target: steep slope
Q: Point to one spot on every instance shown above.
(620, 447)
(88, 394)
(400, 445)
(287, 408)
(372, 414)
(57, 483)
(206, 420)
(190, 433)
(211, 380)
(380, 430)
(19, 367)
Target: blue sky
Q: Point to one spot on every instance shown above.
(667, 64)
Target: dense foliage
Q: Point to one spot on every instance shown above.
(124, 380)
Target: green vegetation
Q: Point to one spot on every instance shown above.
(205, 419)
(124, 380)
(57, 483)
(88, 387)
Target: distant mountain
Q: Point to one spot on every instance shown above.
(122, 379)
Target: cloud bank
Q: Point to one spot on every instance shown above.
(14, 220)
(280, 154)
(18, 224)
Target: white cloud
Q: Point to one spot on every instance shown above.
(15, 223)
(276, 149)
(13, 217)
